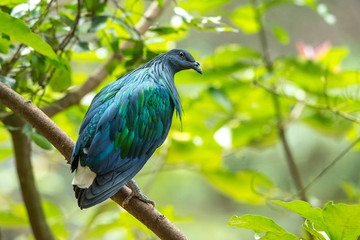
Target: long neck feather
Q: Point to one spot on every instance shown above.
(166, 75)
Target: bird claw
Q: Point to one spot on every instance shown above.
(135, 192)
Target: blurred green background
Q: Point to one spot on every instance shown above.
(227, 158)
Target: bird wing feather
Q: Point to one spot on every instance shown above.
(124, 125)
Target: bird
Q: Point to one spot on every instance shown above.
(125, 123)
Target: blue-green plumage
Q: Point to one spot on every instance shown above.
(125, 123)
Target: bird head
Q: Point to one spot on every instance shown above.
(180, 59)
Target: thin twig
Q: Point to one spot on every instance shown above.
(145, 213)
(16, 55)
(331, 164)
(42, 16)
(295, 173)
(71, 34)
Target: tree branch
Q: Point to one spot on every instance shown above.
(146, 214)
(74, 97)
(31, 196)
(277, 106)
(71, 34)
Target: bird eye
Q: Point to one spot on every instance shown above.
(181, 54)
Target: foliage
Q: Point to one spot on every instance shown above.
(48, 50)
(334, 221)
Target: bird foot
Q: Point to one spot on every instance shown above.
(135, 192)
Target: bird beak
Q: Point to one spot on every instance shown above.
(197, 67)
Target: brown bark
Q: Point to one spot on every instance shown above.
(31, 196)
(145, 213)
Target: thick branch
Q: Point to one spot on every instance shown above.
(29, 192)
(74, 97)
(38, 119)
(146, 214)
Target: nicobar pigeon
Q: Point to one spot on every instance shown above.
(125, 123)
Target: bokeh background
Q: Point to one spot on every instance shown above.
(226, 158)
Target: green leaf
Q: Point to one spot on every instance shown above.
(339, 221)
(342, 220)
(8, 81)
(333, 58)
(4, 45)
(98, 23)
(41, 141)
(203, 6)
(245, 186)
(27, 129)
(10, 219)
(11, 2)
(220, 97)
(327, 123)
(305, 210)
(306, 74)
(81, 47)
(5, 152)
(245, 17)
(165, 30)
(310, 228)
(281, 35)
(261, 224)
(17, 29)
(61, 79)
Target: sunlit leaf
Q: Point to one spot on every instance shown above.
(342, 220)
(310, 228)
(10, 219)
(12, 2)
(4, 45)
(333, 57)
(339, 221)
(305, 210)
(203, 6)
(17, 29)
(5, 153)
(281, 35)
(245, 17)
(261, 224)
(61, 79)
